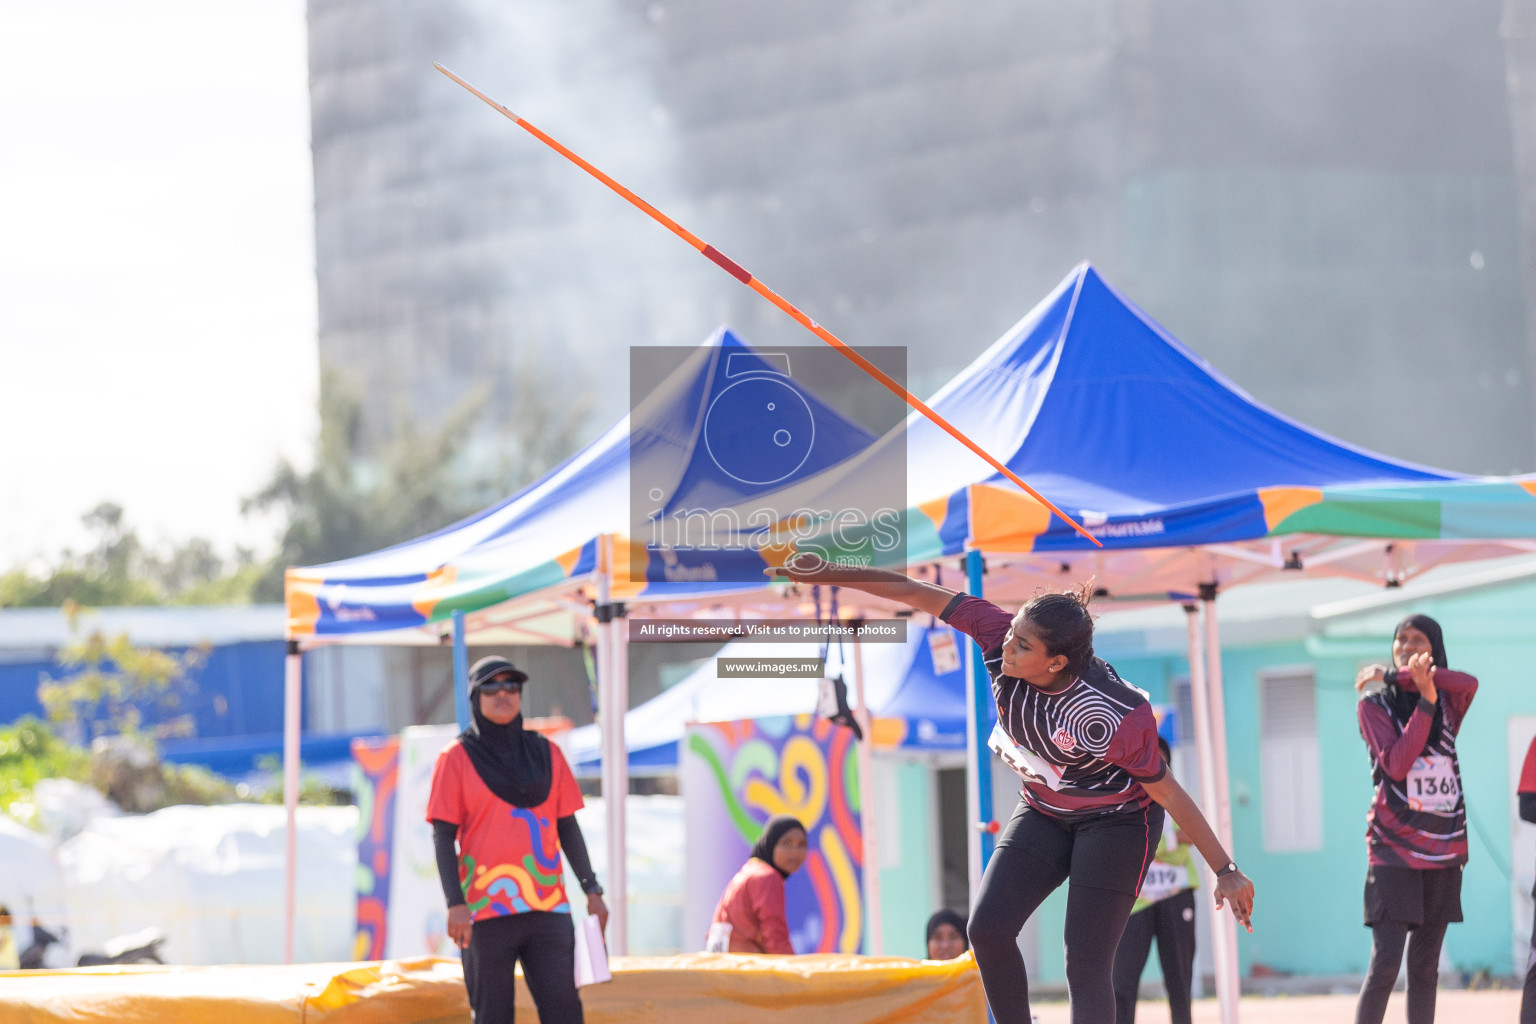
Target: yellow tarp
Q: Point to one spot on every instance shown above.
(698, 988)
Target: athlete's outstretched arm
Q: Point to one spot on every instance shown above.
(807, 567)
(1233, 887)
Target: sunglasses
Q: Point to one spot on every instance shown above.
(501, 686)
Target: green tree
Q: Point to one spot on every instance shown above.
(421, 480)
(119, 569)
(114, 678)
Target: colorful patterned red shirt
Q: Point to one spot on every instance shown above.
(509, 857)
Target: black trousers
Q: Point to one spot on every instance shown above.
(1105, 858)
(1406, 907)
(1172, 923)
(545, 942)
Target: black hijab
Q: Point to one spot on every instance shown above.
(950, 917)
(778, 826)
(1402, 699)
(512, 762)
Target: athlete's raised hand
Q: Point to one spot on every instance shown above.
(809, 567)
(1422, 666)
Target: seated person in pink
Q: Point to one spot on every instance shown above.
(750, 915)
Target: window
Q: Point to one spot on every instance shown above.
(1289, 762)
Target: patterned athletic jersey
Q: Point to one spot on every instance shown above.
(1097, 738)
(1418, 817)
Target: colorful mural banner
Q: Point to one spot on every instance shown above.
(418, 919)
(377, 762)
(735, 776)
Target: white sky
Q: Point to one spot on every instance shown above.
(157, 297)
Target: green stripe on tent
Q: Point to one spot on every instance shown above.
(1408, 520)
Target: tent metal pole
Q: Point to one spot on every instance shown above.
(1223, 924)
(1199, 693)
(461, 710)
(618, 869)
(613, 700)
(869, 826)
(293, 690)
(979, 714)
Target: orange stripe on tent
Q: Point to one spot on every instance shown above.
(1280, 503)
(302, 595)
(1006, 520)
(630, 560)
(888, 732)
(935, 510)
(434, 590)
(1529, 485)
(568, 560)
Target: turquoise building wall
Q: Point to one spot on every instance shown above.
(1308, 907)
(907, 870)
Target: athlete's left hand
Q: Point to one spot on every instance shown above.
(1235, 889)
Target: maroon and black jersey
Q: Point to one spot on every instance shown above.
(1418, 817)
(1098, 735)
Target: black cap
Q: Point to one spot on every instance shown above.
(490, 667)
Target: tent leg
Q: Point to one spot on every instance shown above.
(978, 761)
(461, 710)
(874, 944)
(1210, 738)
(613, 701)
(293, 689)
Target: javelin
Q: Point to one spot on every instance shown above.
(741, 274)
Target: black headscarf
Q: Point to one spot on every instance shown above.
(778, 826)
(1403, 699)
(949, 917)
(512, 762)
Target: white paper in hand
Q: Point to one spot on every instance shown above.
(591, 953)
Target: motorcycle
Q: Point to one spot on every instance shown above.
(142, 947)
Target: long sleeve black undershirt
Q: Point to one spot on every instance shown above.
(444, 843)
(1528, 807)
(444, 837)
(575, 847)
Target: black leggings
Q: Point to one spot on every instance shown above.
(1528, 997)
(1387, 938)
(545, 942)
(1105, 858)
(1172, 923)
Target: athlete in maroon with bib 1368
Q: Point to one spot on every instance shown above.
(1416, 830)
(1084, 742)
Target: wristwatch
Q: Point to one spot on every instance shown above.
(1231, 867)
(595, 890)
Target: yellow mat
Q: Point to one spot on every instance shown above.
(697, 988)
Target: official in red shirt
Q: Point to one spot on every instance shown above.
(503, 808)
(750, 915)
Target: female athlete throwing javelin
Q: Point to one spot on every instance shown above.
(1095, 786)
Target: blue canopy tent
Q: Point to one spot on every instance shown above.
(1189, 484)
(562, 546)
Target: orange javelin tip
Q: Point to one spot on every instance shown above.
(741, 274)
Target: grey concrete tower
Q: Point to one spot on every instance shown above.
(1321, 198)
